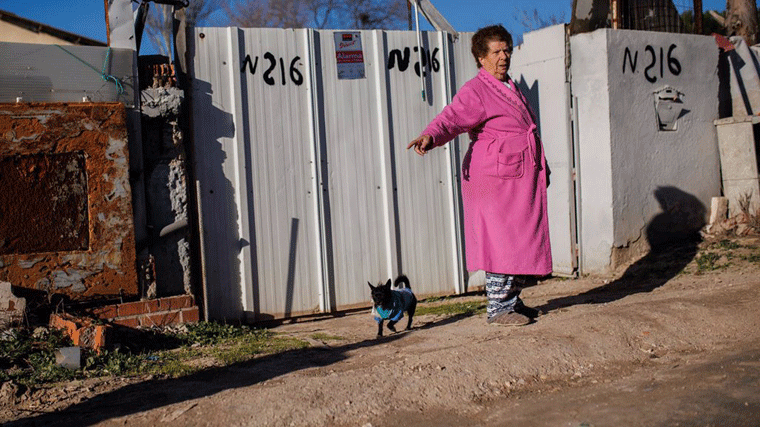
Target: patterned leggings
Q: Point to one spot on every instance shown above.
(503, 292)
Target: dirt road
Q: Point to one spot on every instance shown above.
(656, 345)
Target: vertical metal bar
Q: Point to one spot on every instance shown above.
(386, 150)
(452, 180)
(614, 8)
(419, 48)
(108, 23)
(239, 114)
(325, 304)
(577, 176)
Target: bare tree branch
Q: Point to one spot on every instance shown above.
(532, 20)
(159, 23)
(361, 14)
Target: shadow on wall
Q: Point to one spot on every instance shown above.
(217, 200)
(531, 94)
(673, 237)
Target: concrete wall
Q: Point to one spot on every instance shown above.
(642, 184)
(65, 200)
(590, 89)
(166, 192)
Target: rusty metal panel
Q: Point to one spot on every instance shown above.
(90, 142)
(43, 203)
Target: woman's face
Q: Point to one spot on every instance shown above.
(496, 61)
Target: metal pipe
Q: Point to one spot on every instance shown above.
(175, 226)
(419, 48)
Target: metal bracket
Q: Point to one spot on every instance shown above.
(668, 105)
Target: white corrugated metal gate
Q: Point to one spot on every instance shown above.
(306, 190)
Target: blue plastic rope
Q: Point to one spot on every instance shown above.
(107, 77)
(103, 75)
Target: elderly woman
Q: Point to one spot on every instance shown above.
(504, 178)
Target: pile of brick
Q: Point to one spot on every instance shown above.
(94, 332)
(149, 313)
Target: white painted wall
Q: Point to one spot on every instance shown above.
(539, 68)
(13, 33)
(590, 89)
(624, 156)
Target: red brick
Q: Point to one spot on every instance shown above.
(106, 312)
(131, 308)
(130, 322)
(152, 306)
(162, 319)
(190, 315)
(64, 321)
(175, 303)
(78, 328)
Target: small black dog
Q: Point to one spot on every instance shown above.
(390, 304)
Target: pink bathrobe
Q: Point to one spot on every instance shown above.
(503, 177)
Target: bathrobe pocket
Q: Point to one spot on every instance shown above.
(511, 165)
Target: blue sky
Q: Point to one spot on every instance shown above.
(87, 17)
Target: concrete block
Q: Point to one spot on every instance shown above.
(477, 280)
(738, 161)
(69, 357)
(12, 308)
(164, 102)
(718, 210)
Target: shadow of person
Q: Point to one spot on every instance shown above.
(673, 237)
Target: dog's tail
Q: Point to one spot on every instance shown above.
(402, 279)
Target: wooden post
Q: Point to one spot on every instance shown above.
(697, 16)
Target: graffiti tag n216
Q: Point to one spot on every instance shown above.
(269, 74)
(428, 59)
(651, 70)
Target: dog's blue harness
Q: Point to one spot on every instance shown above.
(400, 301)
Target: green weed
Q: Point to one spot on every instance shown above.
(326, 337)
(457, 308)
(707, 261)
(753, 258)
(29, 359)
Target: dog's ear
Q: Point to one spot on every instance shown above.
(388, 283)
(370, 286)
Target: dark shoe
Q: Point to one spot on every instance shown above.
(511, 318)
(527, 311)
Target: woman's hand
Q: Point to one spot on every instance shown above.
(422, 144)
